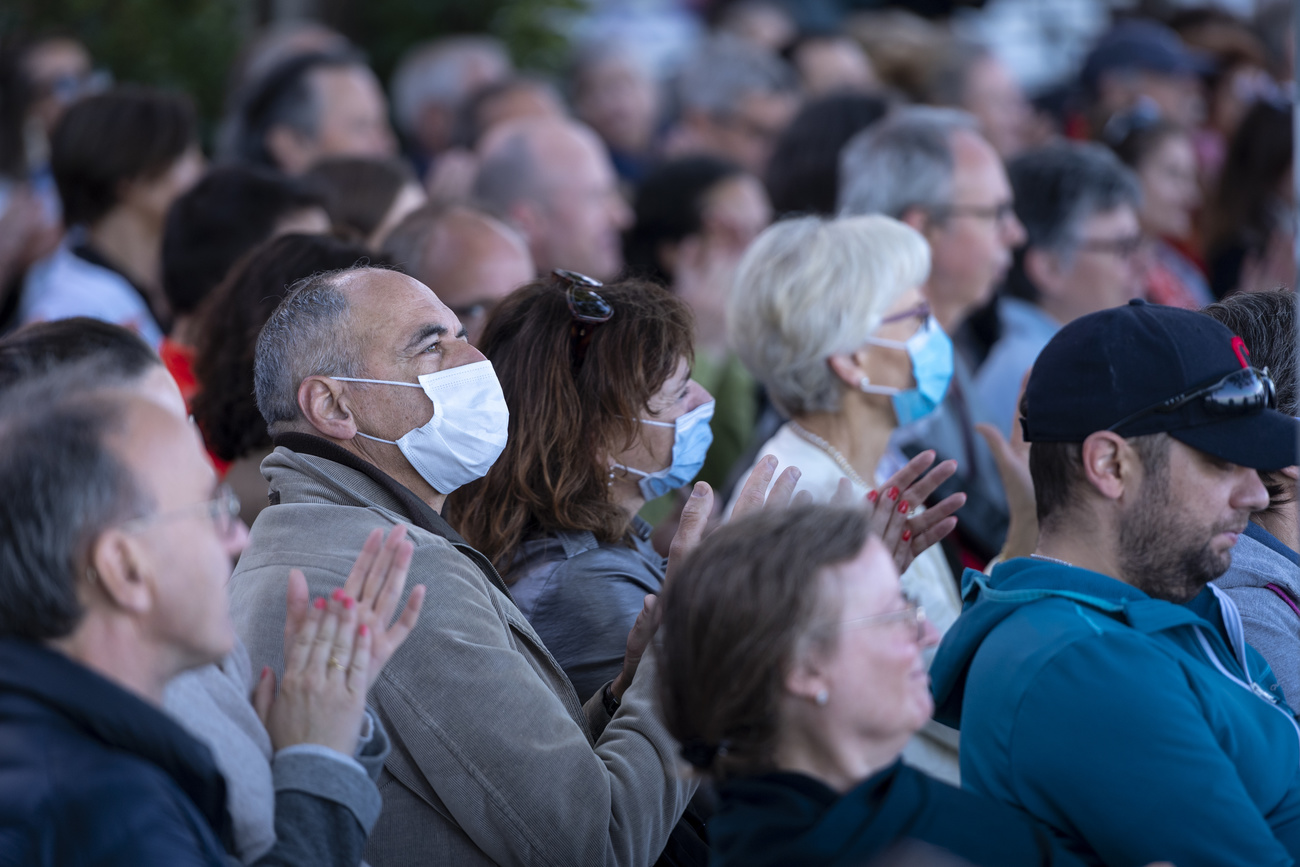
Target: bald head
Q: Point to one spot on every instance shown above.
(469, 259)
(552, 180)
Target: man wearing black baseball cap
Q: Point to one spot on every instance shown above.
(1143, 64)
(1098, 685)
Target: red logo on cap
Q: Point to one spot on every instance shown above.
(1243, 354)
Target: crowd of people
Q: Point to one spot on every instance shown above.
(801, 443)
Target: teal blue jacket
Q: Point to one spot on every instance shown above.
(1137, 729)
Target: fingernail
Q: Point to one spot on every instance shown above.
(364, 630)
(320, 603)
(872, 496)
(902, 507)
(893, 493)
(337, 595)
(698, 490)
(348, 602)
(266, 671)
(907, 535)
(797, 474)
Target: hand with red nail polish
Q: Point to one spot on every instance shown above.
(906, 535)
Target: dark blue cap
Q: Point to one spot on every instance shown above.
(1106, 366)
(1141, 44)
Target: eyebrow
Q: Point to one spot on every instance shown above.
(424, 333)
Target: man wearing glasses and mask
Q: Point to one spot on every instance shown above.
(1099, 685)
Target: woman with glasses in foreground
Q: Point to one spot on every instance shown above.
(604, 416)
(827, 315)
(792, 671)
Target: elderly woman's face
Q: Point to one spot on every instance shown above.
(892, 366)
(875, 672)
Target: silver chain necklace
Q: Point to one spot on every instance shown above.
(1053, 560)
(835, 454)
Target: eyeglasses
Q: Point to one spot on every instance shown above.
(999, 213)
(913, 615)
(920, 311)
(587, 308)
(1239, 393)
(1124, 248)
(223, 510)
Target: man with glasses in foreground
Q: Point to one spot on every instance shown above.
(1078, 204)
(1098, 684)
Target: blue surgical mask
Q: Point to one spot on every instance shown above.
(692, 437)
(931, 353)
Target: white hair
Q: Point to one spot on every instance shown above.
(811, 287)
(434, 72)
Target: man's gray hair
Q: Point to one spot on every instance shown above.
(904, 161)
(1059, 186)
(507, 173)
(434, 72)
(808, 288)
(726, 69)
(307, 335)
(63, 485)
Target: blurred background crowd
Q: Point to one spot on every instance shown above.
(1138, 149)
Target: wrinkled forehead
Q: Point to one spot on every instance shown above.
(389, 309)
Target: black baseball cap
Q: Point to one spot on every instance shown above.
(1146, 368)
(1142, 44)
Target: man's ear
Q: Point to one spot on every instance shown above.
(1292, 472)
(849, 367)
(528, 218)
(1044, 270)
(325, 406)
(1111, 465)
(291, 152)
(919, 219)
(121, 570)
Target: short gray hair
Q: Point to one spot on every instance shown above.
(63, 485)
(1059, 186)
(904, 161)
(433, 72)
(724, 70)
(307, 335)
(810, 287)
(506, 174)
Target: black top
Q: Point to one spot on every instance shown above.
(791, 819)
(92, 774)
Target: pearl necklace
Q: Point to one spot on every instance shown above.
(835, 454)
(1053, 560)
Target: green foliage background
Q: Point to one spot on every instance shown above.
(190, 44)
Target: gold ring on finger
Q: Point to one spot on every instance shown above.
(336, 664)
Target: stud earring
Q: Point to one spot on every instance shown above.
(822, 697)
(863, 383)
(610, 483)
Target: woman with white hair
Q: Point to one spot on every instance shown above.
(828, 316)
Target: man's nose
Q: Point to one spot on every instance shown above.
(1250, 493)
(1013, 231)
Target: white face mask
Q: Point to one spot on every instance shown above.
(467, 431)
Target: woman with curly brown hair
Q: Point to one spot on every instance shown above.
(603, 417)
(228, 324)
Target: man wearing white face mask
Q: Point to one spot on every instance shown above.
(379, 408)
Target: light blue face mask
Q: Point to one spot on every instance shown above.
(692, 437)
(931, 353)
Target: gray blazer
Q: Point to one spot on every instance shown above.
(494, 758)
